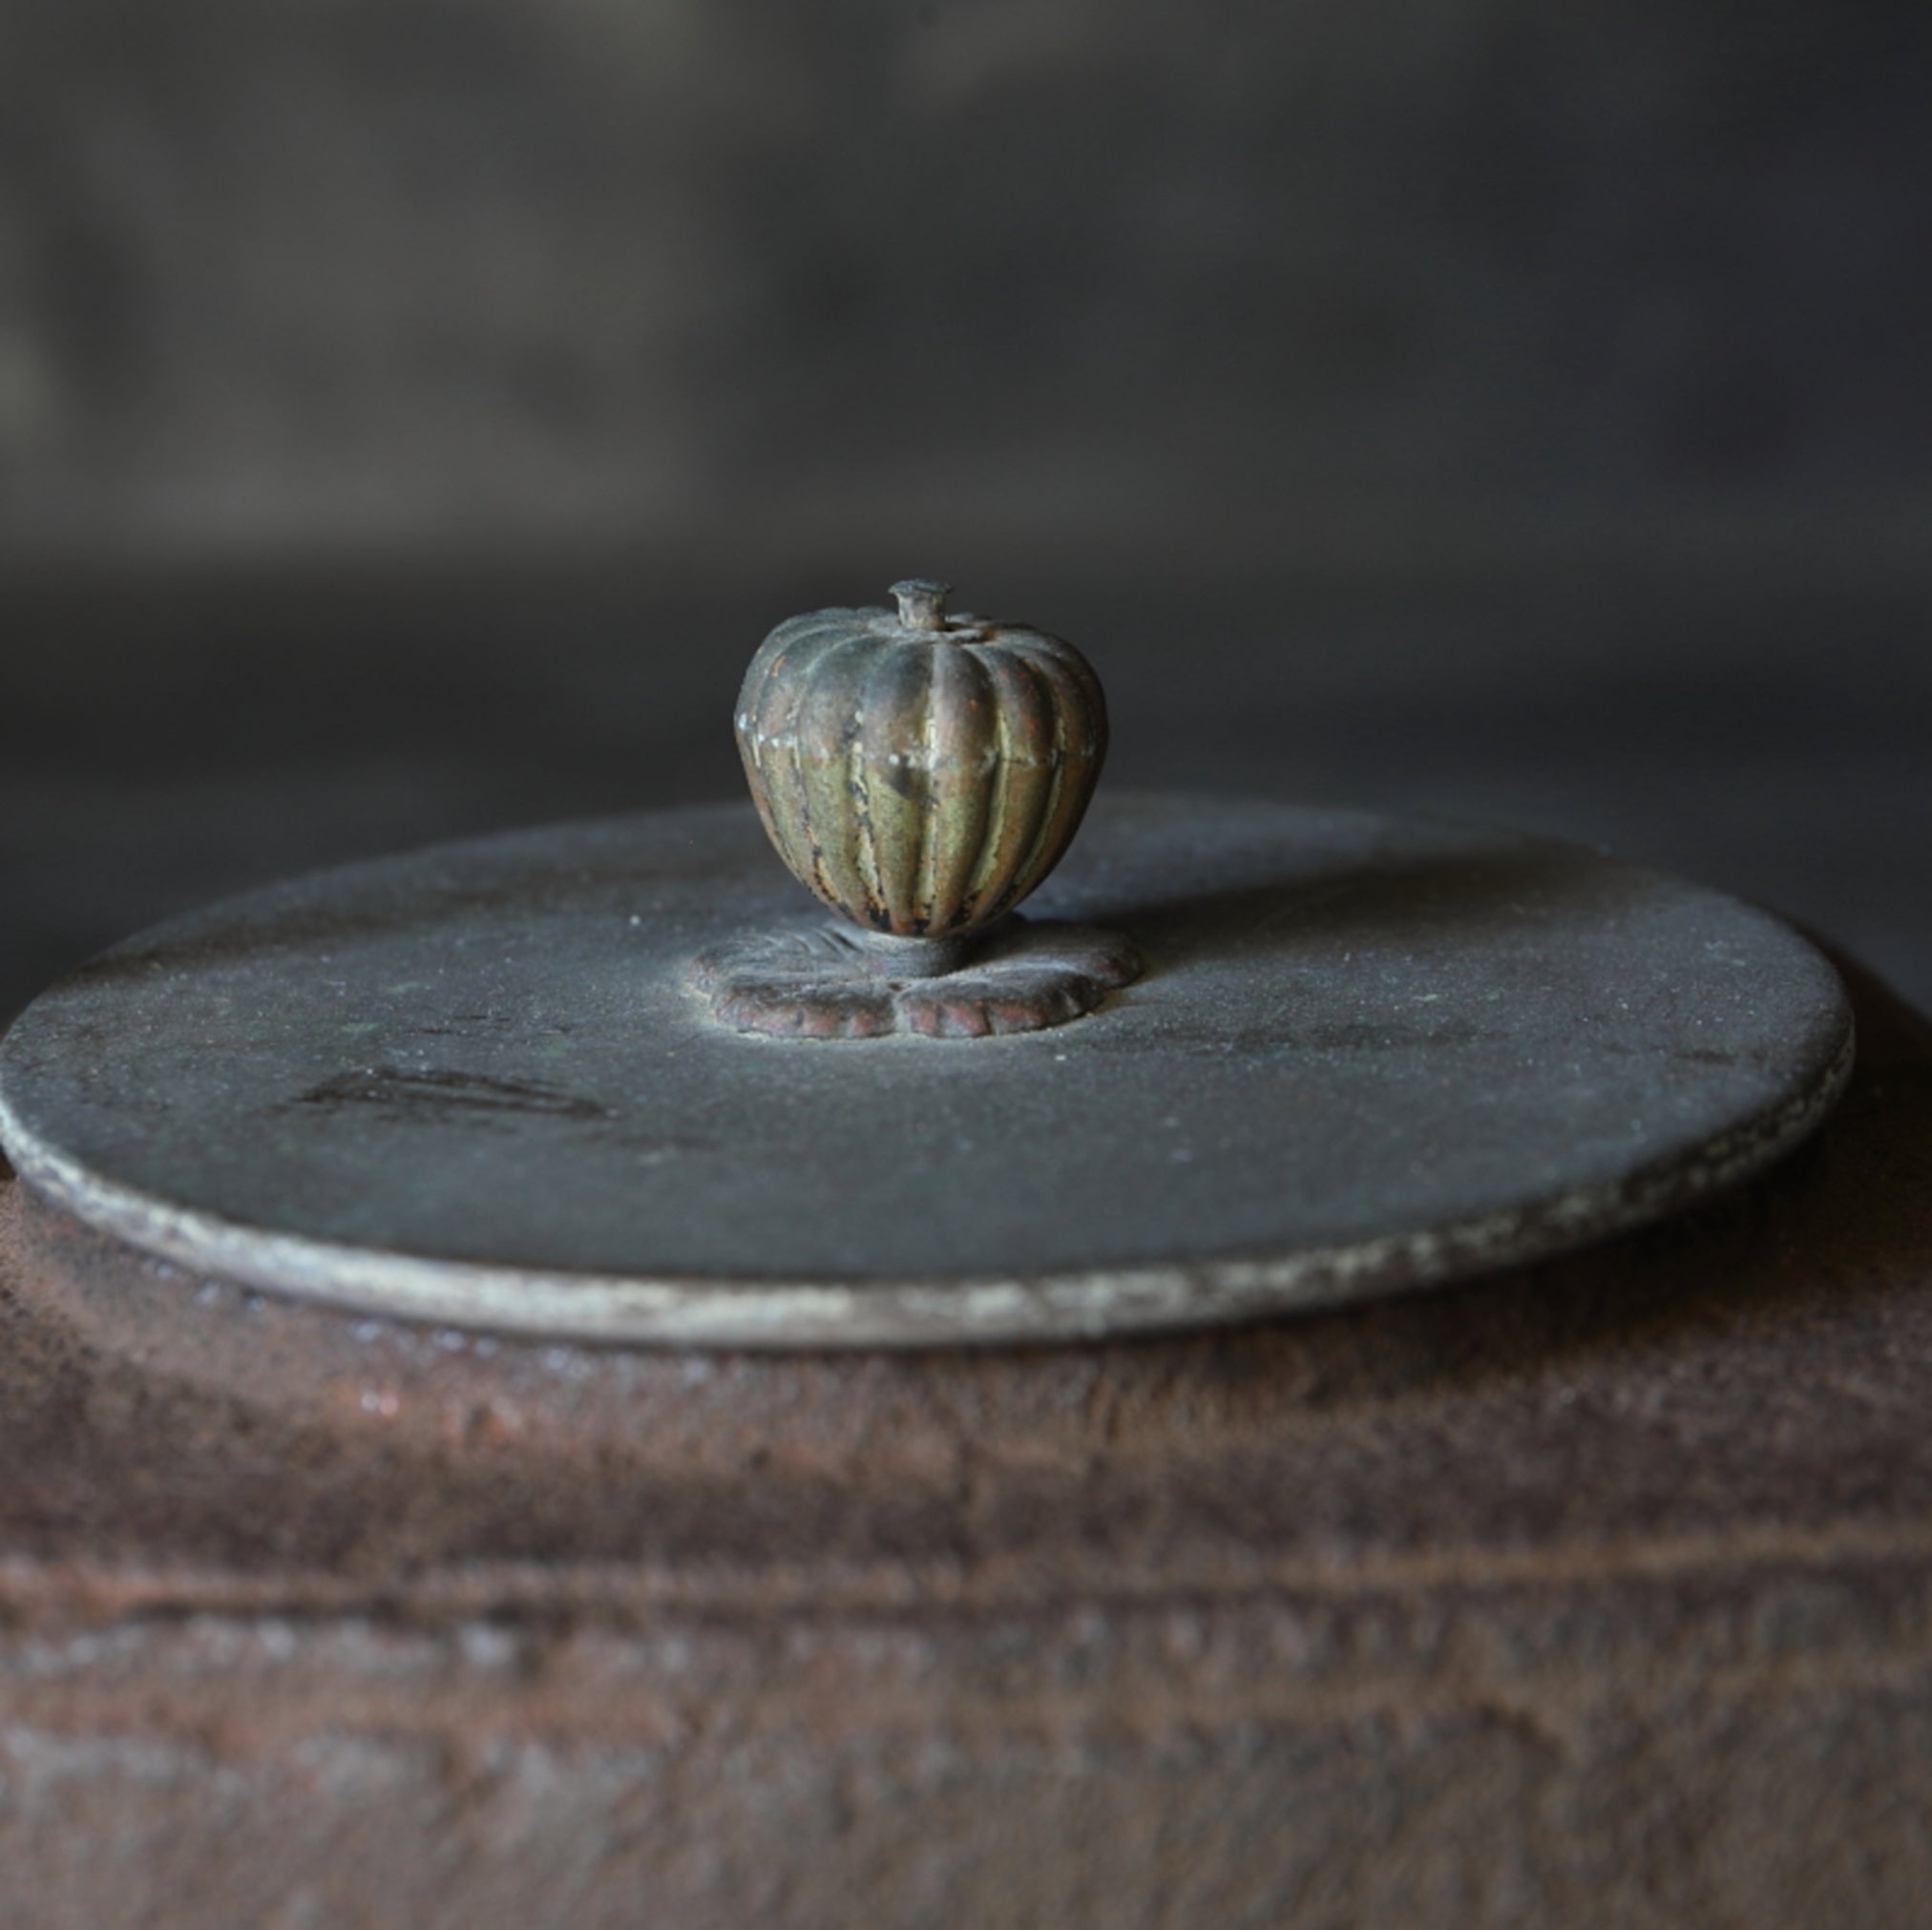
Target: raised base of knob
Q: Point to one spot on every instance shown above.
(824, 981)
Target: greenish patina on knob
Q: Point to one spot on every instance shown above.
(921, 771)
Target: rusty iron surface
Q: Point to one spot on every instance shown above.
(1598, 1593)
(1369, 1054)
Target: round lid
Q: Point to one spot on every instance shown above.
(473, 1084)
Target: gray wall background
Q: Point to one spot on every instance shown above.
(353, 273)
(413, 412)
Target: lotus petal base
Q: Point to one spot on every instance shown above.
(819, 982)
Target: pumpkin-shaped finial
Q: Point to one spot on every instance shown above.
(921, 771)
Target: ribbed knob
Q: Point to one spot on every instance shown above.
(921, 773)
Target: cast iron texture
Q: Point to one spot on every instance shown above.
(819, 982)
(473, 1084)
(1595, 1595)
(921, 773)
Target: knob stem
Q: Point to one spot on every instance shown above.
(922, 604)
(892, 957)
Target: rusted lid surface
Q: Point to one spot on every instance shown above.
(471, 1084)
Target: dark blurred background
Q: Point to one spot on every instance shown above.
(412, 413)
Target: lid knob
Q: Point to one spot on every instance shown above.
(923, 793)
